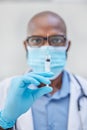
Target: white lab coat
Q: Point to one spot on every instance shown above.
(77, 120)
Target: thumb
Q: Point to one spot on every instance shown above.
(41, 91)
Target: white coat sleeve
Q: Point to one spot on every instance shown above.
(3, 91)
(4, 85)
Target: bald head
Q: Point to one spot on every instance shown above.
(47, 21)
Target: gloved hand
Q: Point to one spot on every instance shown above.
(20, 97)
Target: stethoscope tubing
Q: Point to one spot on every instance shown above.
(83, 95)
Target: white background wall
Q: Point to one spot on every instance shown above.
(13, 23)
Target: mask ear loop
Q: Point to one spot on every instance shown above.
(27, 53)
(66, 46)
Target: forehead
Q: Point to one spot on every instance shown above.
(46, 25)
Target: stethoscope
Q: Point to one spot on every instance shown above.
(83, 95)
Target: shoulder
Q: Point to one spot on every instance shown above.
(76, 78)
(83, 82)
(4, 85)
(80, 78)
(6, 82)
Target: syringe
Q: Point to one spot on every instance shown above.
(48, 64)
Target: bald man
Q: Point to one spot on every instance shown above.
(56, 97)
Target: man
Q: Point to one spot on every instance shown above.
(64, 108)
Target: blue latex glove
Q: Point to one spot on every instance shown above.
(20, 97)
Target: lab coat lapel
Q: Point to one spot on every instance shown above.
(25, 122)
(83, 113)
(84, 108)
(74, 122)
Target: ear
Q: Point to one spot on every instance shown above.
(25, 45)
(69, 44)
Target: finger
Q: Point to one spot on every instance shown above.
(41, 91)
(40, 78)
(29, 80)
(45, 74)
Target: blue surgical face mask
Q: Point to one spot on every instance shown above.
(37, 56)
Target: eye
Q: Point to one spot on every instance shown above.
(56, 40)
(35, 40)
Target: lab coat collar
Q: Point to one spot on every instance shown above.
(74, 117)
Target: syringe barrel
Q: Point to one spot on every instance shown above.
(48, 63)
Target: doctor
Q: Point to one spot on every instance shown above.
(63, 106)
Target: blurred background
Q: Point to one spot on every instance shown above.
(14, 16)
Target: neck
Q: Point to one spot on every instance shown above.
(56, 83)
